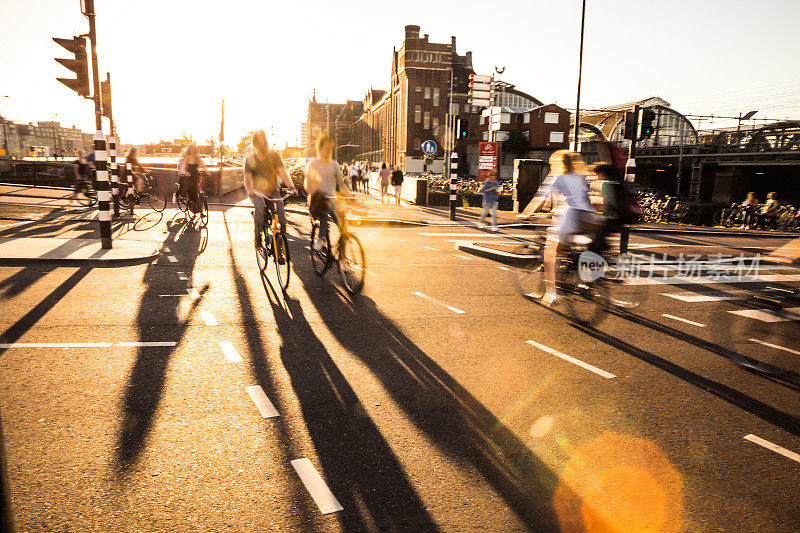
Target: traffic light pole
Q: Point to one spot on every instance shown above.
(625, 231)
(450, 164)
(100, 153)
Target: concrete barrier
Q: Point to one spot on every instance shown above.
(414, 190)
(166, 176)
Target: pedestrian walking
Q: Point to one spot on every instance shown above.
(397, 182)
(384, 177)
(354, 176)
(193, 164)
(365, 177)
(491, 196)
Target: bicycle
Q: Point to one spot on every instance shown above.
(84, 193)
(347, 253)
(130, 196)
(186, 207)
(590, 285)
(275, 245)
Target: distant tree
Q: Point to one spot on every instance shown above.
(245, 143)
(184, 141)
(517, 143)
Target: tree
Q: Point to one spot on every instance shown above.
(517, 143)
(245, 143)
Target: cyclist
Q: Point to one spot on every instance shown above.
(192, 165)
(323, 178)
(262, 168)
(82, 169)
(577, 216)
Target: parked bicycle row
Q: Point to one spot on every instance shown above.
(750, 214)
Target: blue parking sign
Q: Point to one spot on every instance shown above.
(429, 147)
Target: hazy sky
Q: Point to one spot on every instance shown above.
(172, 61)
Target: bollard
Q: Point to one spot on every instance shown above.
(103, 192)
(453, 189)
(129, 176)
(112, 156)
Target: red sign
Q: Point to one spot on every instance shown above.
(488, 155)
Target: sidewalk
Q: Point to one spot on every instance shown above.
(74, 250)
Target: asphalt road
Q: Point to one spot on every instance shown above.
(439, 399)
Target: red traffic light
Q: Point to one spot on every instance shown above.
(78, 64)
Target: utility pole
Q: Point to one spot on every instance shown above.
(450, 145)
(580, 68)
(100, 153)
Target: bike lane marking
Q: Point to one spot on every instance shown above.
(434, 300)
(172, 259)
(787, 313)
(568, 358)
(673, 317)
(693, 298)
(316, 486)
(776, 346)
(431, 248)
(773, 447)
(231, 354)
(262, 402)
(209, 318)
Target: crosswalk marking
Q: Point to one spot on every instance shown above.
(209, 318)
(786, 314)
(262, 402)
(316, 486)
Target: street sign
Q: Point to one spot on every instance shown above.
(488, 155)
(428, 159)
(480, 79)
(483, 102)
(480, 86)
(429, 147)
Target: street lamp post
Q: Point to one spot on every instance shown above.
(580, 67)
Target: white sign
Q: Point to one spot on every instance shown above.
(480, 86)
(429, 147)
(481, 102)
(556, 136)
(495, 126)
(479, 78)
(551, 118)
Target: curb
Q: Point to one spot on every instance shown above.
(88, 251)
(385, 222)
(489, 253)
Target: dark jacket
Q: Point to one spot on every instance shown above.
(397, 177)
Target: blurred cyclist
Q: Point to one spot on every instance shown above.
(323, 178)
(577, 216)
(262, 168)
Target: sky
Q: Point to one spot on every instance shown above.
(173, 61)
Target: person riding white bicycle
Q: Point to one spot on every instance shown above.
(574, 216)
(262, 168)
(323, 178)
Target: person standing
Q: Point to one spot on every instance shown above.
(262, 170)
(397, 182)
(365, 177)
(384, 177)
(353, 176)
(491, 197)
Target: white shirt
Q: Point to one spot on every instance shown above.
(321, 177)
(573, 187)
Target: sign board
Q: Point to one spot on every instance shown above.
(429, 147)
(475, 86)
(488, 156)
(481, 102)
(480, 79)
(428, 159)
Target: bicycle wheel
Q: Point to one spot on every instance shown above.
(183, 204)
(156, 199)
(85, 195)
(319, 259)
(283, 263)
(203, 212)
(352, 263)
(529, 280)
(264, 251)
(720, 217)
(123, 196)
(584, 302)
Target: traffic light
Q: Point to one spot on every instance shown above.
(630, 126)
(462, 131)
(648, 128)
(105, 92)
(79, 65)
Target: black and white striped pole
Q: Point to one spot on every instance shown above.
(103, 189)
(129, 188)
(625, 231)
(114, 170)
(453, 186)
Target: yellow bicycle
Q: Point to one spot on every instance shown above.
(347, 251)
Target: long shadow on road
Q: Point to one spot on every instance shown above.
(454, 420)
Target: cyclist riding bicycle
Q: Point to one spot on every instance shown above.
(82, 169)
(192, 165)
(262, 168)
(575, 216)
(323, 178)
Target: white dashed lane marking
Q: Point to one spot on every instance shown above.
(172, 259)
(316, 486)
(431, 248)
(776, 346)
(503, 268)
(165, 249)
(262, 402)
(209, 318)
(692, 298)
(789, 313)
(673, 317)
(434, 300)
(85, 344)
(145, 344)
(774, 447)
(462, 256)
(565, 357)
(231, 354)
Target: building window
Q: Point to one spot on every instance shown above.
(435, 122)
(485, 135)
(427, 123)
(427, 92)
(436, 96)
(418, 89)
(417, 114)
(417, 143)
(526, 118)
(454, 109)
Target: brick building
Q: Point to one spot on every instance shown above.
(338, 120)
(43, 139)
